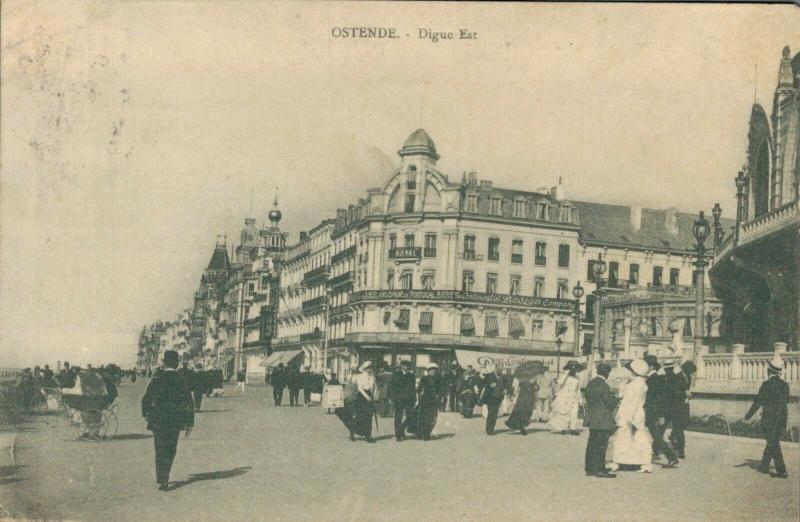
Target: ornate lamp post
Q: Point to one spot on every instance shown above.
(577, 293)
(741, 202)
(716, 212)
(598, 270)
(328, 294)
(700, 230)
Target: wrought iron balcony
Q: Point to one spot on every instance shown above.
(316, 276)
(516, 258)
(344, 254)
(313, 305)
(429, 252)
(456, 296)
(405, 253)
(342, 279)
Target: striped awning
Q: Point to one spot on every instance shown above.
(515, 326)
(492, 329)
(404, 318)
(467, 324)
(276, 358)
(426, 320)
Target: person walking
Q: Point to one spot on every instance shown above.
(564, 418)
(240, 381)
(469, 392)
(430, 399)
(600, 405)
(402, 393)
(278, 382)
(295, 381)
(772, 399)
(523, 399)
(307, 382)
(491, 396)
(677, 381)
(382, 379)
(452, 386)
(364, 403)
(631, 444)
(198, 385)
(169, 409)
(544, 396)
(655, 410)
(508, 392)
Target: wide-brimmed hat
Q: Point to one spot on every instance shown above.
(573, 365)
(433, 366)
(365, 365)
(776, 364)
(669, 364)
(639, 367)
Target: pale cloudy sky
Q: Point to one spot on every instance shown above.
(133, 132)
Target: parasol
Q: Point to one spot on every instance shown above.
(530, 369)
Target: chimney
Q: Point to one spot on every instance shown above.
(303, 235)
(671, 221)
(557, 192)
(636, 218)
(486, 185)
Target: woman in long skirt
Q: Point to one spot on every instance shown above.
(631, 444)
(525, 393)
(564, 417)
(363, 406)
(429, 400)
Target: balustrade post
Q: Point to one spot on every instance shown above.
(701, 362)
(736, 363)
(779, 348)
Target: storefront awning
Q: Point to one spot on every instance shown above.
(404, 318)
(276, 358)
(426, 320)
(492, 329)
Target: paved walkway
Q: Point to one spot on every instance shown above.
(247, 460)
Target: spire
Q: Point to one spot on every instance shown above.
(785, 78)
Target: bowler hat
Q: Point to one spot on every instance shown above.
(171, 357)
(604, 369)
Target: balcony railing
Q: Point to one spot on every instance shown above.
(657, 293)
(773, 220)
(447, 341)
(312, 305)
(312, 336)
(339, 310)
(464, 297)
(429, 252)
(344, 254)
(341, 279)
(540, 260)
(405, 253)
(516, 258)
(313, 276)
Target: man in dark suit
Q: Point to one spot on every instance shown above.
(307, 381)
(278, 382)
(655, 412)
(600, 405)
(676, 386)
(492, 396)
(403, 394)
(168, 407)
(773, 398)
(198, 386)
(295, 382)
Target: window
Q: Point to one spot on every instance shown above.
(516, 251)
(613, 274)
(515, 327)
(467, 281)
(653, 326)
(392, 241)
(467, 325)
(251, 288)
(541, 212)
(430, 245)
(516, 283)
(563, 289)
(491, 283)
(538, 286)
(519, 208)
(590, 270)
(408, 240)
(590, 298)
(674, 276)
(426, 322)
(491, 328)
(561, 328)
(566, 214)
(657, 273)
(494, 249)
(540, 253)
(264, 282)
(403, 319)
(469, 247)
(495, 206)
(472, 203)
(687, 327)
(563, 256)
(406, 280)
(536, 329)
(408, 206)
(411, 178)
(633, 276)
(428, 279)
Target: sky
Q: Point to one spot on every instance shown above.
(133, 133)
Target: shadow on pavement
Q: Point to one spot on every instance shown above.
(213, 475)
(130, 436)
(212, 411)
(440, 436)
(7, 474)
(749, 463)
(528, 431)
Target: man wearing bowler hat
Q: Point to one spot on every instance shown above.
(169, 409)
(403, 394)
(773, 398)
(600, 405)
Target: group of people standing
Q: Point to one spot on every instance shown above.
(309, 382)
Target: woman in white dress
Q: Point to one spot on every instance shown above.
(564, 416)
(631, 444)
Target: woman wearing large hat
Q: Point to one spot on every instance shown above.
(358, 410)
(632, 445)
(564, 419)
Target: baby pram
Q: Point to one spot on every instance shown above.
(87, 409)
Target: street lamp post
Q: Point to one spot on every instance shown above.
(598, 270)
(577, 293)
(558, 356)
(716, 212)
(741, 202)
(700, 230)
(328, 293)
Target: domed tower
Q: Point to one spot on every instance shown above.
(272, 239)
(418, 156)
(275, 215)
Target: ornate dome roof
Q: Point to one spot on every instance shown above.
(275, 215)
(419, 143)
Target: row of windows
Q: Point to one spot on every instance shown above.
(521, 208)
(516, 325)
(428, 282)
(633, 274)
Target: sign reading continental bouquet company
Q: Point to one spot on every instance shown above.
(505, 361)
(464, 297)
